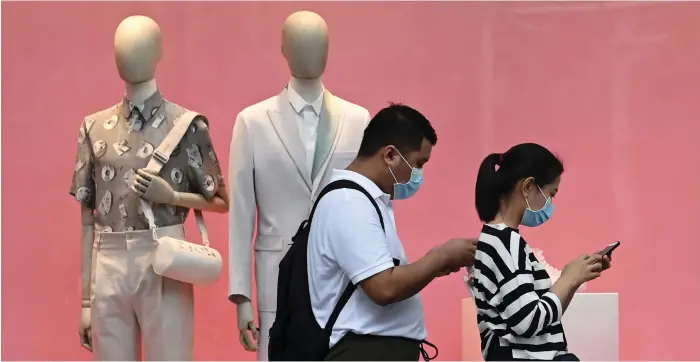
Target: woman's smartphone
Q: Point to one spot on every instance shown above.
(609, 249)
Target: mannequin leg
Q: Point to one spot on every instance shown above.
(115, 333)
(266, 320)
(164, 307)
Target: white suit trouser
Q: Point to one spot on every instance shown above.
(266, 320)
(129, 300)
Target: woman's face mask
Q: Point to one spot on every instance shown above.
(534, 218)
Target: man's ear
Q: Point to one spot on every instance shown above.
(389, 153)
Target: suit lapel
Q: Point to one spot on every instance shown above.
(329, 129)
(287, 130)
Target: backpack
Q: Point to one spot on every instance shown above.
(295, 334)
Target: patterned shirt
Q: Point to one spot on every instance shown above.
(115, 142)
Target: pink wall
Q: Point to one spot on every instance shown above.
(613, 88)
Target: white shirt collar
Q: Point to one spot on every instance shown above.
(139, 106)
(299, 103)
(363, 181)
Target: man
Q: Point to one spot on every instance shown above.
(383, 320)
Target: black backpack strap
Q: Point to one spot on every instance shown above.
(350, 288)
(345, 184)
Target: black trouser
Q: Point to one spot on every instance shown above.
(357, 347)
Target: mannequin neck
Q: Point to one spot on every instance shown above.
(137, 93)
(308, 89)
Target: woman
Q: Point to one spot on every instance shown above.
(519, 310)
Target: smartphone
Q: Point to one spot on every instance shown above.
(609, 249)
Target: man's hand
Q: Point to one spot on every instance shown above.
(448, 271)
(457, 253)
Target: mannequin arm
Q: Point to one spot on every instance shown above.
(242, 213)
(87, 239)
(218, 203)
(152, 187)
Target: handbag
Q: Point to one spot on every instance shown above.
(175, 258)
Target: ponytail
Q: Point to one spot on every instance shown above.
(488, 190)
(520, 162)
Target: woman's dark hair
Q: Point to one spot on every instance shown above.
(520, 162)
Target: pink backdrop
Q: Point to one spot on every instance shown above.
(613, 88)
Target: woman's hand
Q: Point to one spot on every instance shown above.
(606, 262)
(583, 269)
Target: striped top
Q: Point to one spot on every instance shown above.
(517, 314)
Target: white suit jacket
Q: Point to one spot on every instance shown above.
(267, 173)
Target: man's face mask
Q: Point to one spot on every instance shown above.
(405, 190)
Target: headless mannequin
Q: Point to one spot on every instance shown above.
(305, 47)
(138, 49)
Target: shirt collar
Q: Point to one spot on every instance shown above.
(298, 103)
(363, 181)
(148, 108)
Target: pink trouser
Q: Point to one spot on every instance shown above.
(129, 300)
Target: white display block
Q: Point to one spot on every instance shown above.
(591, 324)
(471, 342)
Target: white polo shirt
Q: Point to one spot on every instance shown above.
(346, 242)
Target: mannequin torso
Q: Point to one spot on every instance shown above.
(306, 97)
(282, 151)
(123, 138)
(109, 180)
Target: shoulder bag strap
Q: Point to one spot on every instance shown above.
(350, 288)
(160, 157)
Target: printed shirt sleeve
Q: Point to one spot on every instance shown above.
(83, 184)
(203, 168)
(510, 288)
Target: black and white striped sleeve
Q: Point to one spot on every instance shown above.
(508, 286)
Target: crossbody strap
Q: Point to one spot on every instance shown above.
(350, 288)
(160, 157)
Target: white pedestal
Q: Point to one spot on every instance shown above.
(591, 324)
(471, 341)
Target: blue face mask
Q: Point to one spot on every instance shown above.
(534, 218)
(403, 191)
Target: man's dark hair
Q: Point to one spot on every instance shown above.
(398, 125)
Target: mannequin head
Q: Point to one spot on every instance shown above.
(137, 49)
(305, 44)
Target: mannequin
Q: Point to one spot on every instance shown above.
(282, 152)
(122, 296)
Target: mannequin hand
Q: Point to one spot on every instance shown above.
(246, 326)
(85, 329)
(152, 188)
